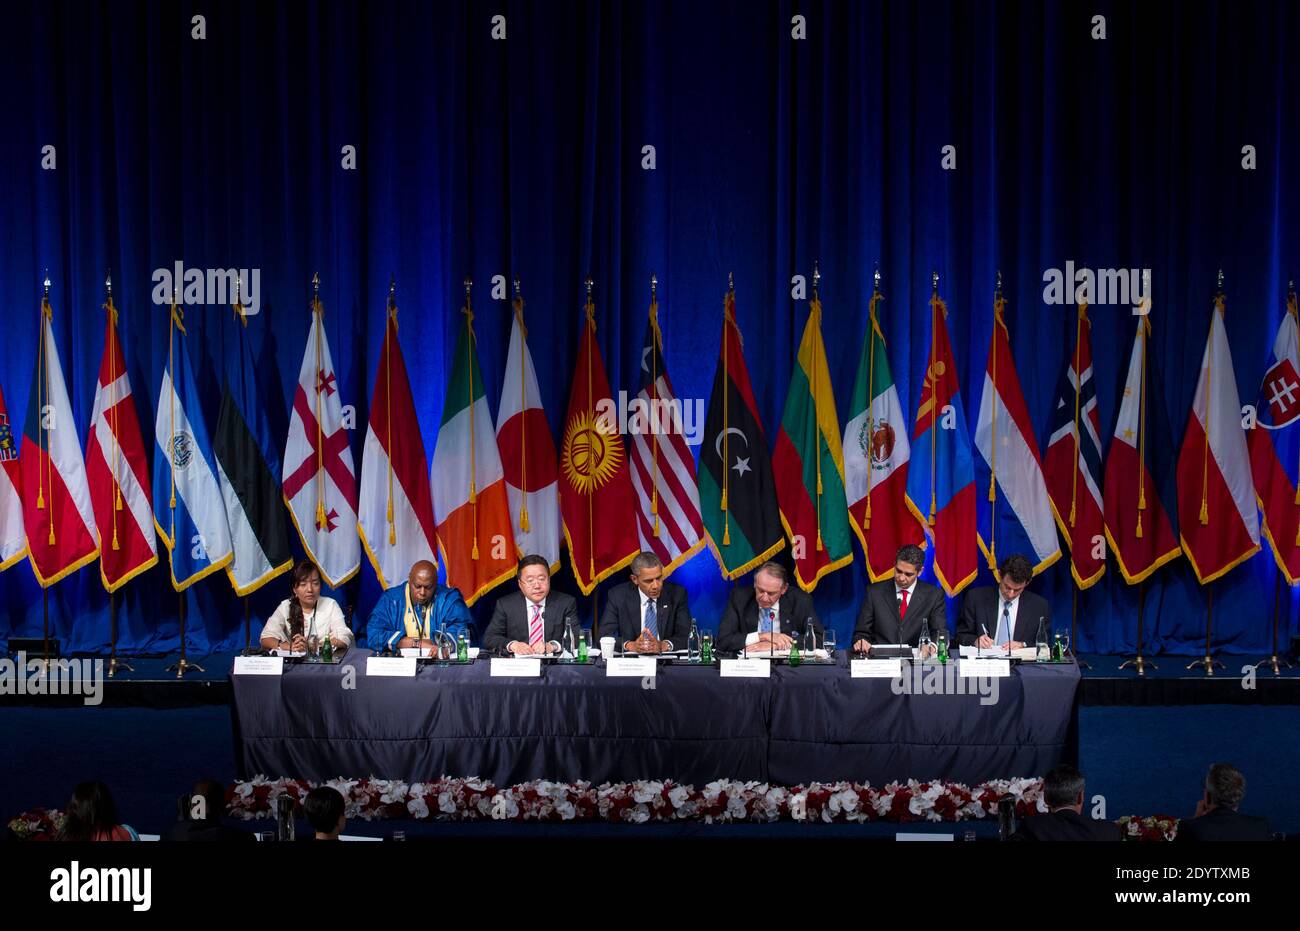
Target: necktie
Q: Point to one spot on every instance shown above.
(902, 605)
(1004, 625)
(765, 626)
(651, 619)
(535, 627)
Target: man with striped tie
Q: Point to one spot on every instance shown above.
(1006, 616)
(531, 620)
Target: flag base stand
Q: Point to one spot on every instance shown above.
(114, 664)
(1208, 662)
(1274, 662)
(1074, 620)
(182, 666)
(1139, 662)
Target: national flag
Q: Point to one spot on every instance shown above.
(117, 470)
(13, 542)
(1216, 495)
(189, 511)
(876, 454)
(248, 468)
(57, 512)
(941, 484)
(663, 466)
(597, 502)
(1072, 465)
(320, 482)
(470, 503)
(1140, 499)
(527, 450)
(1015, 516)
(808, 463)
(395, 520)
(1275, 446)
(742, 522)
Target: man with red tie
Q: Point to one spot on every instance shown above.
(896, 609)
(533, 619)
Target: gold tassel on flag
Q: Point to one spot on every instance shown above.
(468, 311)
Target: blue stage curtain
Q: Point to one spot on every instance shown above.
(525, 156)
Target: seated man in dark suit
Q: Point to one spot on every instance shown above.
(1216, 812)
(531, 620)
(200, 816)
(647, 603)
(895, 610)
(767, 615)
(1007, 615)
(1063, 793)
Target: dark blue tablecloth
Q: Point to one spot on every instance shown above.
(804, 724)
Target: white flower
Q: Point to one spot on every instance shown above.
(446, 804)
(735, 806)
(566, 810)
(644, 792)
(638, 814)
(678, 795)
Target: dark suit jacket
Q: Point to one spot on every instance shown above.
(741, 617)
(622, 618)
(1066, 824)
(1223, 824)
(878, 620)
(984, 605)
(510, 619)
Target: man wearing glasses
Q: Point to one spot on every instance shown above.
(1005, 617)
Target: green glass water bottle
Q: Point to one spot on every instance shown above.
(327, 649)
(794, 652)
(706, 649)
(1058, 652)
(943, 648)
(582, 647)
(462, 648)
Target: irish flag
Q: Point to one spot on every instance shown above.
(469, 489)
(809, 464)
(876, 453)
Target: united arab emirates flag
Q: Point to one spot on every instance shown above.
(737, 493)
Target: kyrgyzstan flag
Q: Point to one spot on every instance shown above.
(57, 512)
(1275, 446)
(941, 480)
(597, 502)
(117, 470)
(1216, 494)
(395, 518)
(13, 543)
(470, 502)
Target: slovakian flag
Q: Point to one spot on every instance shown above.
(13, 542)
(1216, 496)
(1275, 446)
(57, 513)
(742, 521)
(188, 508)
(941, 479)
(1015, 515)
(527, 450)
(117, 470)
(320, 482)
(395, 519)
(248, 468)
(1072, 464)
(597, 502)
(876, 454)
(1140, 498)
(470, 503)
(808, 463)
(663, 466)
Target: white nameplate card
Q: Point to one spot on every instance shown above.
(258, 666)
(638, 666)
(745, 668)
(530, 667)
(390, 666)
(990, 668)
(875, 668)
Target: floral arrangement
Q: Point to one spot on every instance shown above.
(37, 824)
(1154, 828)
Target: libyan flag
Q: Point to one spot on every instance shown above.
(809, 464)
(737, 492)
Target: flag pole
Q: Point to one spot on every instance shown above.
(388, 398)
(524, 524)
(1274, 662)
(589, 325)
(1078, 389)
(934, 395)
(319, 326)
(1139, 662)
(815, 312)
(728, 315)
(654, 396)
(998, 304)
(873, 327)
(473, 463)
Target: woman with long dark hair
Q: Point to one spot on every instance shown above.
(306, 614)
(92, 816)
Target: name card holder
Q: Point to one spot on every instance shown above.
(991, 668)
(875, 668)
(745, 668)
(638, 666)
(258, 666)
(397, 666)
(519, 667)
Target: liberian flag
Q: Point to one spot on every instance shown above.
(13, 543)
(470, 502)
(1140, 496)
(189, 511)
(663, 467)
(876, 453)
(941, 484)
(1072, 466)
(248, 468)
(528, 452)
(1216, 496)
(57, 513)
(320, 483)
(117, 471)
(1015, 516)
(808, 463)
(395, 520)
(1275, 447)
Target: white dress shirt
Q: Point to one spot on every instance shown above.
(528, 614)
(328, 616)
(776, 623)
